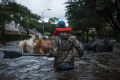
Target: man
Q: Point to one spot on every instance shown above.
(63, 45)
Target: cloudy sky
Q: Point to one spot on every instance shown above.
(37, 6)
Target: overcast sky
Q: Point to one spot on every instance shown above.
(37, 6)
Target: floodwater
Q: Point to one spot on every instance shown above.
(92, 66)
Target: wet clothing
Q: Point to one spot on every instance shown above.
(62, 49)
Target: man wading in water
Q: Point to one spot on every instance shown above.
(63, 46)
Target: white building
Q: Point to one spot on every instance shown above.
(16, 29)
(11, 28)
(34, 32)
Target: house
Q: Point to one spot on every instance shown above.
(22, 30)
(15, 29)
(12, 28)
(34, 32)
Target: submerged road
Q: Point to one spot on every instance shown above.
(92, 66)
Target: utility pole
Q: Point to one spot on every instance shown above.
(43, 18)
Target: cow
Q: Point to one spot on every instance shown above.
(42, 46)
(27, 46)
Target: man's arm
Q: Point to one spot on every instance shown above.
(78, 46)
(53, 50)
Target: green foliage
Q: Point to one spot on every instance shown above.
(53, 20)
(12, 11)
(49, 27)
(78, 33)
(83, 14)
(47, 33)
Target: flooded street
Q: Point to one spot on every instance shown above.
(92, 66)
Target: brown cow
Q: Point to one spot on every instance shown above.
(42, 46)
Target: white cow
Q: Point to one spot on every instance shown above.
(27, 45)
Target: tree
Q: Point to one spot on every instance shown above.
(53, 20)
(111, 13)
(4, 15)
(10, 10)
(83, 14)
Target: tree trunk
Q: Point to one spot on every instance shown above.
(2, 26)
(87, 34)
(109, 18)
(27, 30)
(116, 4)
(83, 37)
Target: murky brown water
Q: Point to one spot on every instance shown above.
(92, 66)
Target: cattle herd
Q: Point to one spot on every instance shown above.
(37, 46)
(43, 45)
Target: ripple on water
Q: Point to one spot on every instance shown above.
(92, 66)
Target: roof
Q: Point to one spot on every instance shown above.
(11, 27)
(34, 31)
(21, 29)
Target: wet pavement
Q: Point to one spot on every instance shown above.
(92, 66)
